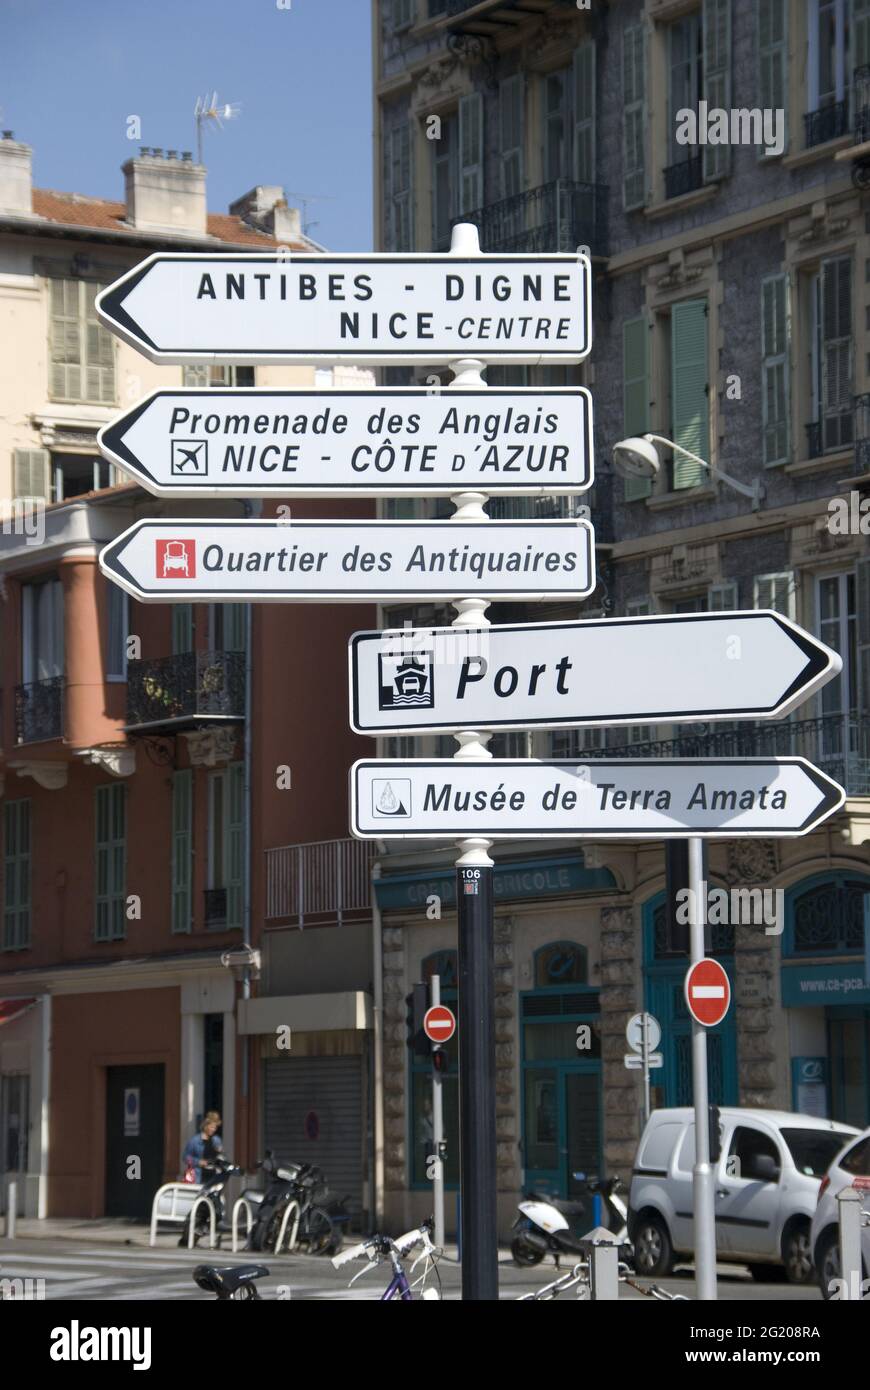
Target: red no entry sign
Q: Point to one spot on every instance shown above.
(439, 1025)
(708, 992)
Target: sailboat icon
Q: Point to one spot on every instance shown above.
(392, 798)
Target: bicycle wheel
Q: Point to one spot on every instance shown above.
(316, 1231)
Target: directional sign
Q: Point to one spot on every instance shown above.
(634, 1032)
(186, 561)
(635, 798)
(634, 1062)
(369, 308)
(708, 992)
(682, 667)
(439, 1025)
(249, 443)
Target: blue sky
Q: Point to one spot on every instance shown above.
(72, 71)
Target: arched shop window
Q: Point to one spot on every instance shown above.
(721, 938)
(827, 918)
(444, 965)
(561, 963)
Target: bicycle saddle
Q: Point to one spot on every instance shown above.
(226, 1280)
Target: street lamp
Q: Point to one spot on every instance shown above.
(638, 457)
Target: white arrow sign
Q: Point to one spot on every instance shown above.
(681, 667)
(390, 442)
(160, 561)
(636, 798)
(370, 308)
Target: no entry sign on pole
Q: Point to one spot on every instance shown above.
(364, 308)
(350, 561)
(635, 798)
(681, 667)
(708, 992)
(403, 441)
(439, 1024)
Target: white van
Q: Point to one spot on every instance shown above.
(766, 1185)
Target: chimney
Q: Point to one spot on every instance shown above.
(265, 208)
(16, 175)
(165, 193)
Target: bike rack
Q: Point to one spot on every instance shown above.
(295, 1208)
(174, 1191)
(191, 1223)
(249, 1221)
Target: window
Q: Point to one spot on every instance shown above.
(716, 79)
(857, 1160)
(182, 851)
(773, 56)
(398, 235)
(16, 874)
(182, 628)
(72, 475)
(225, 847)
(689, 394)
(635, 393)
(837, 626)
(81, 350)
(584, 113)
(775, 369)
(828, 75)
(830, 358)
(575, 743)
(510, 745)
(747, 1146)
(41, 630)
(776, 591)
(445, 181)
(202, 374)
(117, 628)
(227, 627)
(557, 125)
(633, 117)
(111, 866)
(722, 598)
(471, 153)
(685, 76)
(510, 110)
(403, 15)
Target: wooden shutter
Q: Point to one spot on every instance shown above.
(717, 78)
(776, 591)
(117, 626)
(584, 113)
(235, 854)
(400, 188)
(182, 628)
(30, 473)
(775, 369)
(111, 863)
(16, 874)
(510, 116)
(634, 189)
(471, 153)
(65, 340)
(862, 654)
(689, 398)
(773, 57)
(722, 598)
(99, 349)
(635, 393)
(182, 851)
(836, 323)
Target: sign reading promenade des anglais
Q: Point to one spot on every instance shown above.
(247, 442)
(404, 309)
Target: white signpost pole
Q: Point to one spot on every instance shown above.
(645, 1051)
(702, 1173)
(437, 1134)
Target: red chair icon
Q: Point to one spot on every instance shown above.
(178, 556)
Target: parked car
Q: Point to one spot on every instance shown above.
(766, 1186)
(850, 1168)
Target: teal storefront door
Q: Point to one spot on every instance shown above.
(664, 997)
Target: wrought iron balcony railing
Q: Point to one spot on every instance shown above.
(827, 123)
(487, 11)
(556, 216)
(185, 688)
(861, 105)
(837, 743)
(534, 508)
(39, 710)
(835, 430)
(685, 177)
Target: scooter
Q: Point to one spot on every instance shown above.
(550, 1225)
(216, 1174)
(281, 1189)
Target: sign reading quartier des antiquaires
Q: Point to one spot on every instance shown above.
(364, 308)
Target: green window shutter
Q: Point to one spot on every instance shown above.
(30, 473)
(111, 863)
(836, 323)
(99, 349)
(634, 185)
(773, 57)
(235, 872)
(16, 874)
(717, 78)
(471, 153)
(182, 628)
(776, 591)
(510, 117)
(182, 851)
(584, 113)
(234, 627)
(635, 393)
(65, 341)
(399, 183)
(775, 369)
(689, 403)
(862, 656)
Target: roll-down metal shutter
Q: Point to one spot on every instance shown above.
(313, 1114)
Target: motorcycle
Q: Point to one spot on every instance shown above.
(216, 1173)
(551, 1225)
(318, 1225)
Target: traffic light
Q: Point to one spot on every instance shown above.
(416, 1004)
(715, 1135)
(440, 1061)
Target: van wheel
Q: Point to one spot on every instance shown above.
(796, 1254)
(828, 1261)
(653, 1252)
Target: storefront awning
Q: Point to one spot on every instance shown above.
(10, 1009)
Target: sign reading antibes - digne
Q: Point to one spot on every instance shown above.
(379, 308)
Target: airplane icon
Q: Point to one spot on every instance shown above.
(189, 457)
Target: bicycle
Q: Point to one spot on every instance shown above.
(579, 1276)
(376, 1249)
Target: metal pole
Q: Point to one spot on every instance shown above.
(437, 1132)
(702, 1188)
(644, 1026)
(11, 1209)
(849, 1217)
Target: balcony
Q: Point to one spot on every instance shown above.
(491, 17)
(172, 691)
(838, 743)
(555, 217)
(534, 508)
(833, 432)
(323, 879)
(685, 177)
(39, 710)
(827, 123)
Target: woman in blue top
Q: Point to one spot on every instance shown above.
(204, 1147)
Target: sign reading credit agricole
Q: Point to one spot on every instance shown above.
(377, 308)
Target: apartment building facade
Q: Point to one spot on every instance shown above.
(731, 314)
(156, 760)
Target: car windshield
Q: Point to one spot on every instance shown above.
(813, 1150)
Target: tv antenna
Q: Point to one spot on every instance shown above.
(208, 108)
(304, 199)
